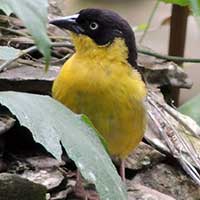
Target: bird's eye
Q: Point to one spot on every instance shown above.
(94, 26)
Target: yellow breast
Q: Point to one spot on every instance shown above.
(99, 82)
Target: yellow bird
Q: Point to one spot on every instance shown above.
(101, 78)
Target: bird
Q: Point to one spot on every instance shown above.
(101, 79)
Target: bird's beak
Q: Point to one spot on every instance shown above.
(68, 23)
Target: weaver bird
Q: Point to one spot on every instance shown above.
(100, 80)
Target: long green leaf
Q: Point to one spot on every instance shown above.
(192, 108)
(50, 122)
(34, 15)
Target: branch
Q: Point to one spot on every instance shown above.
(23, 52)
(17, 32)
(170, 134)
(32, 49)
(149, 21)
(169, 58)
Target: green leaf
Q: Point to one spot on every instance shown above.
(34, 16)
(88, 122)
(50, 122)
(195, 6)
(192, 109)
(8, 53)
(178, 2)
(4, 6)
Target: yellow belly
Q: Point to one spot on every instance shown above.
(110, 96)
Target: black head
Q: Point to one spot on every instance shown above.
(103, 26)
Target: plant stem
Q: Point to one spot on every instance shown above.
(17, 32)
(32, 49)
(169, 58)
(22, 53)
(70, 47)
(149, 21)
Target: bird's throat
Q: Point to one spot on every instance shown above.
(85, 46)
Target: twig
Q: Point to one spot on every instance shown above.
(149, 21)
(60, 60)
(170, 111)
(22, 53)
(172, 139)
(141, 51)
(177, 137)
(160, 130)
(32, 49)
(69, 47)
(30, 63)
(57, 37)
(62, 44)
(11, 20)
(17, 32)
(169, 58)
(190, 170)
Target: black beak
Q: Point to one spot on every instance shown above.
(68, 23)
